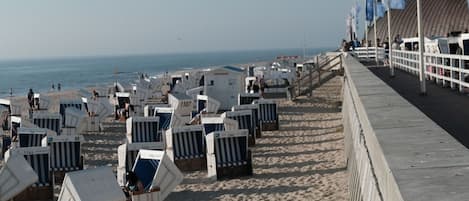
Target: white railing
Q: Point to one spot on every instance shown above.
(369, 52)
(444, 69)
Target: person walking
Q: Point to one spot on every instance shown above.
(31, 98)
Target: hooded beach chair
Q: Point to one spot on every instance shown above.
(155, 170)
(247, 98)
(255, 116)
(15, 177)
(75, 121)
(64, 104)
(98, 110)
(268, 114)
(181, 103)
(143, 129)
(13, 109)
(228, 155)
(38, 159)
(127, 153)
(31, 137)
(96, 184)
(149, 109)
(186, 147)
(211, 124)
(65, 154)
(245, 121)
(166, 117)
(208, 104)
(51, 121)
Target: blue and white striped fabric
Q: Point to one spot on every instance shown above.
(143, 129)
(64, 104)
(30, 137)
(255, 112)
(245, 99)
(244, 119)
(268, 112)
(188, 145)
(65, 156)
(231, 151)
(48, 121)
(40, 164)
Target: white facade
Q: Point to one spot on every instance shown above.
(224, 84)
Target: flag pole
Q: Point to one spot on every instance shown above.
(423, 87)
(376, 37)
(389, 41)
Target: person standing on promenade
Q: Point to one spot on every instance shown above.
(58, 86)
(53, 86)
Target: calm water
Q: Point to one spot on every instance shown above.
(74, 73)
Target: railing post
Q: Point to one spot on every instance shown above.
(461, 75)
(451, 84)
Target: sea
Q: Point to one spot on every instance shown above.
(18, 76)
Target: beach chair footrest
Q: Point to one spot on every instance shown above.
(269, 126)
(193, 164)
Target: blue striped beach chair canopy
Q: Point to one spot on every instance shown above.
(267, 110)
(243, 118)
(166, 117)
(31, 137)
(229, 147)
(51, 121)
(254, 109)
(143, 129)
(91, 184)
(38, 159)
(247, 98)
(65, 152)
(155, 169)
(15, 177)
(185, 142)
(127, 153)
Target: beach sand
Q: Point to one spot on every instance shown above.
(304, 160)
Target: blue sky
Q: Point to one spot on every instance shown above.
(55, 28)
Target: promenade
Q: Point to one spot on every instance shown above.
(446, 107)
(304, 160)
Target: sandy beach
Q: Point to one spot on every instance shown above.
(304, 160)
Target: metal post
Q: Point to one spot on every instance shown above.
(461, 74)
(423, 87)
(310, 80)
(389, 41)
(376, 37)
(319, 71)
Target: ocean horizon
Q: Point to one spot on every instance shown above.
(95, 71)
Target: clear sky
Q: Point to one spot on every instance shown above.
(56, 28)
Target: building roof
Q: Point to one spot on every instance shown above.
(439, 18)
